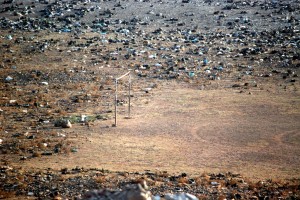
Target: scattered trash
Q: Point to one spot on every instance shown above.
(181, 196)
(66, 124)
(9, 37)
(241, 43)
(30, 194)
(63, 123)
(191, 74)
(44, 83)
(12, 101)
(205, 61)
(8, 78)
(139, 191)
(83, 118)
(214, 183)
(74, 150)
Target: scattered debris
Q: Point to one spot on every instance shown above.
(59, 59)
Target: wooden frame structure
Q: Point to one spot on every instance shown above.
(116, 95)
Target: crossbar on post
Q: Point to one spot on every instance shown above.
(123, 76)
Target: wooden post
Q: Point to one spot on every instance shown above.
(116, 95)
(129, 90)
(116, 102)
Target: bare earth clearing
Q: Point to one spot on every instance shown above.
(180, 129)
(215, 97)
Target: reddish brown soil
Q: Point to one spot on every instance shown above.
(179, 129)
(242, 118)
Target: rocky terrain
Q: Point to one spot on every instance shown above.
(59, 61)
(71, 183)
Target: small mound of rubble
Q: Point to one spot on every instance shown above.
(99, 184)
(139, 191)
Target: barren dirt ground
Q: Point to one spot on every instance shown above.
(215, 89)
(179, 129)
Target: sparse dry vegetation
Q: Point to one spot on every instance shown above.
(222, 128)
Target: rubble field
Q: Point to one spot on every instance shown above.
(214, 99)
